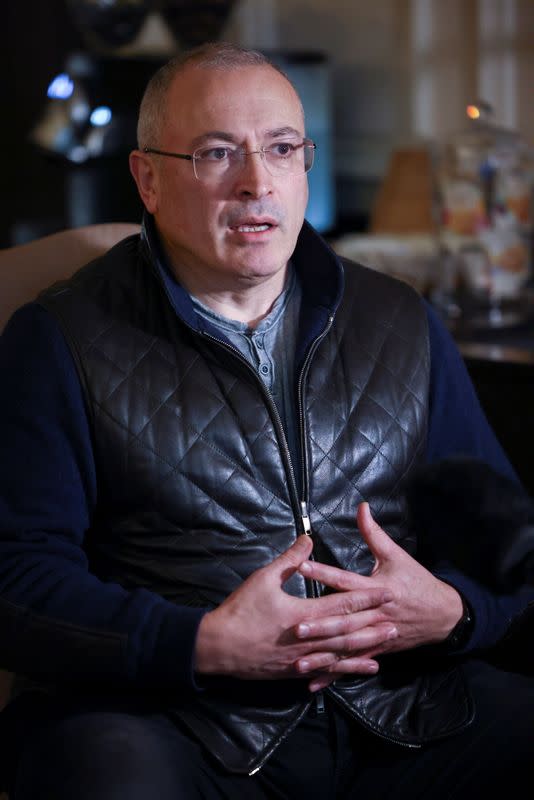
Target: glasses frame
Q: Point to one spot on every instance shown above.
(309, 143)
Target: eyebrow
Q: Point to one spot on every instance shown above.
(286, 131)
(210, 135)
(224, 136)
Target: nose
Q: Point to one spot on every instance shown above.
(253, 178)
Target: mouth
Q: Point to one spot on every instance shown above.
(253, 225)
(253, 228)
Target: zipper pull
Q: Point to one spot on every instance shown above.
(306, 523)
(319, 703)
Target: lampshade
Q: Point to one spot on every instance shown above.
(109, 23)
(193, 22)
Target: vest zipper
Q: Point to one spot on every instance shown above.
(314, 591)
(303, 516)
(306, 523)
(362, 721)
(315, 588)
(301, 419)
(278, 424)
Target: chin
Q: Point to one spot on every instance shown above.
(262, 268)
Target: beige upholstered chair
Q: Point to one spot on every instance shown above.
(27, 269)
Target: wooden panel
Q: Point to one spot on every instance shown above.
(404, 202)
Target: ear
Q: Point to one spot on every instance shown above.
(145, 176)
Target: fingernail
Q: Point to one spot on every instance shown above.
(372, 667)
(305, 566)
(304, 666)
(393, 633)
(387, 597)
(303, 629)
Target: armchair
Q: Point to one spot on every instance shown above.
(27, 269)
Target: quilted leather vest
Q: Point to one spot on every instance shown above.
(196, 488)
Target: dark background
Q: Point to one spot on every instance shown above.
(43, 193)
(38, 189)
(34, 40)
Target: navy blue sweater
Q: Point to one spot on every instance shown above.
(48, 489)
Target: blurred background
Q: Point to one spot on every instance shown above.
(423, 116)
(375, 77)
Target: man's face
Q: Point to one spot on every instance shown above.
(206, 226)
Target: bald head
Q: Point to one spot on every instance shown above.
(212, 56)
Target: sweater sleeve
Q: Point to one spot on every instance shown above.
(457, 423)
(458, 426)
(57, 620)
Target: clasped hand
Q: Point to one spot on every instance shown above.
(261, 632)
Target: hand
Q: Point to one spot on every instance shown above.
(253, 633)
(423, 609)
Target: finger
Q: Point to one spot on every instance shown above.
(359, 645)
(353, 592)
(357, 665)
(342, 625)
(340, 604)
(377, 540)
(286, 564)
(325, 679)
(322, 681)
(336, 578)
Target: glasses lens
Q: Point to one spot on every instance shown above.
(213, 164)
(309, 154)
(288, 158)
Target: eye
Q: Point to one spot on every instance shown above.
(214, 153)
(283, 149)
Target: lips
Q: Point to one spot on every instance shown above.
(252, 224)
(253, 228)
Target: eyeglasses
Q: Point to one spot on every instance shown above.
(211, 164)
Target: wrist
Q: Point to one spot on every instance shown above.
(206, 651)
(213, 651)
(461, 632)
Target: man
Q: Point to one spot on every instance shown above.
(190, 426)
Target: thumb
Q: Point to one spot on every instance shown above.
(377, 540)
(286, 564)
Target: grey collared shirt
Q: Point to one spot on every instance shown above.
(270, 348)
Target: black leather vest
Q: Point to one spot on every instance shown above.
(195, 485)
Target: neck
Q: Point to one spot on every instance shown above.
(249, 306)
(245, 300)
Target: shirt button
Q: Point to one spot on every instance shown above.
(264, 369)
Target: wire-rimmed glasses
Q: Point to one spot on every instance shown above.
(216, 162)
